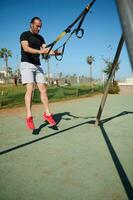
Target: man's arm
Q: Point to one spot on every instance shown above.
(26, 48)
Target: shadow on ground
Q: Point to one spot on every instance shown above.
(122, 174)
(67, 116)
(58, 117)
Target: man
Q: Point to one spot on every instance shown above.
(32, 45)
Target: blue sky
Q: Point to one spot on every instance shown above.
(102, 28)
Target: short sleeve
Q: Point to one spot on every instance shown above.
(42, 39)
(23, 37)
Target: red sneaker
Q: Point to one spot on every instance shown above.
(49, 118)
(30, 123)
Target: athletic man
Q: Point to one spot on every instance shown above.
(32, 45)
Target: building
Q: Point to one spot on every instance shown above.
(126, 87)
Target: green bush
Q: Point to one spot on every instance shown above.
(114, 88)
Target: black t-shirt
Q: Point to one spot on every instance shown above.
(35, 41)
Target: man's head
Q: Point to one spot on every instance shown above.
(35, 25)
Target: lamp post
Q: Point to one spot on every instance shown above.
(90, 60)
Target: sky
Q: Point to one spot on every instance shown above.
(102, 32)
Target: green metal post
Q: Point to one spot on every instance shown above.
(116, 58)
(125, 10)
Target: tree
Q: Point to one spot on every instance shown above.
(90, 60)
(1, 75)
(5, 53)
(17, 72)
(114, 87)
(9, 71)
(107, 69)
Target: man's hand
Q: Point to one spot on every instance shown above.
(57, 52)
(51, 53)
(44, 50)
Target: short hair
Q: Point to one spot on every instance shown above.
(34, 18)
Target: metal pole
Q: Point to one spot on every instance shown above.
(125, 10)
(90, 75)
(116, 58)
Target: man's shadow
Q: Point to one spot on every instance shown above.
(58, 117)
(119, 167)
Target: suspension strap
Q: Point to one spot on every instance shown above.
(79, 32)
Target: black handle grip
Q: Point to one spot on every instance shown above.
(79, 33)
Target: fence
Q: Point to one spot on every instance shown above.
(14, 95)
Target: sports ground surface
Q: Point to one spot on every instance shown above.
(75, 160)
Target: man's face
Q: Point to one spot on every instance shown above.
(36, 26)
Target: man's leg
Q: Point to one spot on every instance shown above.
(28, 98)
(28, 103)
(44, 97)
(27, 74)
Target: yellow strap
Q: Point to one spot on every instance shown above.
(88, 7)
(60, 36)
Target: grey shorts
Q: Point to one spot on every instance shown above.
(31, 73)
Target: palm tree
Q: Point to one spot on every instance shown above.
(90, 60)
(10, 72)
(5, 53)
